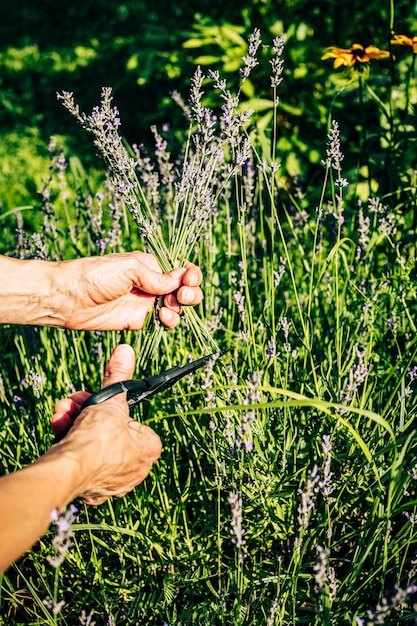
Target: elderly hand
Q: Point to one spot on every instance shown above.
(111, 292)
(114, 452)
(117, 291)
(104, 453)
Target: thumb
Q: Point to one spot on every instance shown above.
(159, 284)
(120, 366)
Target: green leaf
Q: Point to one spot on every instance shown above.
(206, 59)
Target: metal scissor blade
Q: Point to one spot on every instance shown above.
(139, 390)
(166, 379)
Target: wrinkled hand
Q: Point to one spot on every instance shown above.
(116, 291)
(114, 453)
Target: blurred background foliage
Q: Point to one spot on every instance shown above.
(145, 50)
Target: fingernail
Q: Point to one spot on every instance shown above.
(168, 315)
(187, 295)
(179, 272)
(123, 353)
(193, 280)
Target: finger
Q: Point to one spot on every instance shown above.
(172, 303)
(189, 295)
(184, 296)
(61, 423)
(193, 276)
(169, 318)
(66, 410)
(121, 365)
(156, 283)
(73, 403)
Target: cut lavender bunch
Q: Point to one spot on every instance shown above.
(215, 152)
(103, 123)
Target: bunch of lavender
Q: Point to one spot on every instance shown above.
(215, 151)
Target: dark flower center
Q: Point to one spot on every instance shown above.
(359, 52)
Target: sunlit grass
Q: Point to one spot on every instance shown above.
(286, 490)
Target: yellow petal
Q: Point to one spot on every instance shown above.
(344, 59)
(328, 55)
(375, 53)
(402, 40)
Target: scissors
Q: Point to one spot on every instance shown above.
(139, 390)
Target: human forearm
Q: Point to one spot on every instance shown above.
(27, 499)
(111, 292)
(105, 453)
(28, 292)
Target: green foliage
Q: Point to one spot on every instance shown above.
(377, 144)
(19, 155)
(145, 52)
(304, 433)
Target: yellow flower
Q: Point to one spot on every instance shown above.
(403, 40)
(355, 54)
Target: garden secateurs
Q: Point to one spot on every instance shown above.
(139, 390)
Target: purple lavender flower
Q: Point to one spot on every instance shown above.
(277, 62)
(63, 534)
(250, 61)
(271, 349)
(236, 530)
(54, 607)
(18, 401)
(334, 153)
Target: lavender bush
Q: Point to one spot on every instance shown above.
(286, 492)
